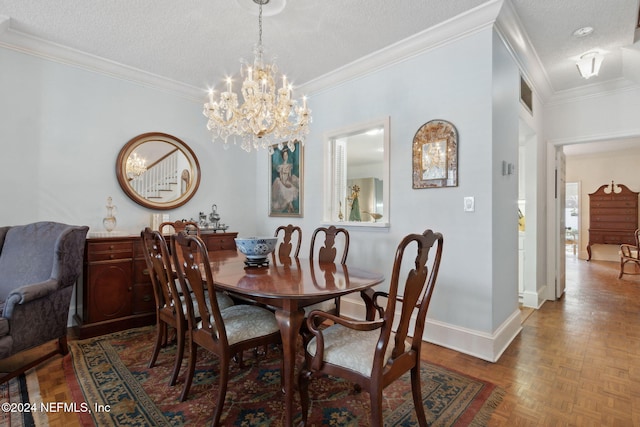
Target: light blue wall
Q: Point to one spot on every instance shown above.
(62, 128)
(453, 83)
(504, 242)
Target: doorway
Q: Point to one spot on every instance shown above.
(572, 219)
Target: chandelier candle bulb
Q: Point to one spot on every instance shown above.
(266, 115)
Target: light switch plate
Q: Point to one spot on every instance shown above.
(469, 204)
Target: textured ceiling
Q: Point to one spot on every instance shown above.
(199, 41)
(550, 25)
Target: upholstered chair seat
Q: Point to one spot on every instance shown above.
(351, 349)
(244, 322)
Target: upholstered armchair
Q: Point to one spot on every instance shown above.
(39, 264)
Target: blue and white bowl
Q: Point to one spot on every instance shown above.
(256, 248)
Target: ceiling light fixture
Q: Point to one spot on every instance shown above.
(583, 32)
(267, 116)
(589, 64)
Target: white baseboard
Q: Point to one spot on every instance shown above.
(479, 344)
(534, 299)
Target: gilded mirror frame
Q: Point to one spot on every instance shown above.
(187, 179)
(435, 155)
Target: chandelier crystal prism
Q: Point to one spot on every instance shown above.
(136, 166)
(267, 116)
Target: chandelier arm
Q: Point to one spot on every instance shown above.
(268, 115)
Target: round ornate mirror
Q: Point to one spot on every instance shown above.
(158, 171)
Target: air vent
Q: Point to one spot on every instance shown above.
(526, 95)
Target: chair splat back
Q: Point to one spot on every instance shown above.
(158, 260)
(418, 288)
(191, 249)
(181, 225)
(285, 247)
(329, 251)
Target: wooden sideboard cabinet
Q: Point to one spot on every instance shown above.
(613, 216)
(116, 292)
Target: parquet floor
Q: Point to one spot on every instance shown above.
(575, 363)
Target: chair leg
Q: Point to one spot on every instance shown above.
(224, 378)
(303, 385)
(179, 356)
(376, 407)
(621, 269)
(416, 392)
(191, 367)
(62, 345)
(160, 332)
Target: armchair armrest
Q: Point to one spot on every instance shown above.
(27, 293)
(629, 251)
(357, 325)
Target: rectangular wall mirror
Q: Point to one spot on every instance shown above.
(357, 175)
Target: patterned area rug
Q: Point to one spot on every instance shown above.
(109, 374)
(20, 402)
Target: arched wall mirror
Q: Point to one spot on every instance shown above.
(435, 155)
(357, 175)
(158, 171)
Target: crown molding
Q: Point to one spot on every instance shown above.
(596, 90)
(510, 29)
(609, 136)
(5, 21)
(21, 42)
(456, 28)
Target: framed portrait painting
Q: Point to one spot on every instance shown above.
(286, 180)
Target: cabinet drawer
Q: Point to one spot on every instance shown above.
(138, 251)
(611, 237)
(143, 298)
(141, 272)
(109, 250)
(619, 204)
(601, 198)
(613, 224)
(219, 242)
(614, 211)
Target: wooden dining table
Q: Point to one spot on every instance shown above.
(289, 287)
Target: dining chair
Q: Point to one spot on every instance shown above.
(223, 332)
(630, 253)
(373, 354)
(285, 247)
(177, 226)
(180, 225)
(170, 304)
(336, 242)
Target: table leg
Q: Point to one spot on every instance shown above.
(289, 323)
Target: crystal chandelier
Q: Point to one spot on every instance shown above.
(136, 166)
(267, 116)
